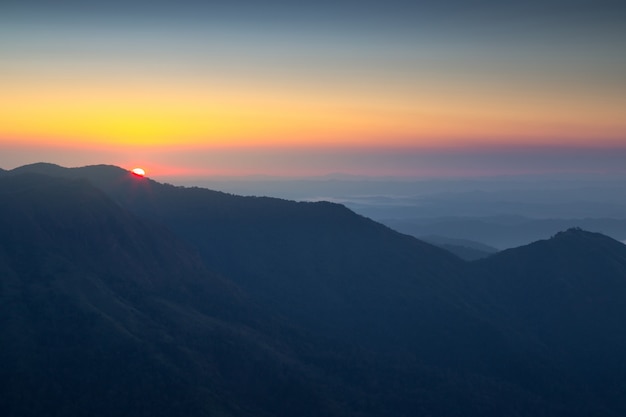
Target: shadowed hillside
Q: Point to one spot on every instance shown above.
(104, 314)
(291, 255)
(315, 311)
(564, 299)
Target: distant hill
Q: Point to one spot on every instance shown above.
(121, 295)
(574, 274)
(468, 250)
(564, 299)
(505, 231)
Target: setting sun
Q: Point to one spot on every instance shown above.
(139, 172)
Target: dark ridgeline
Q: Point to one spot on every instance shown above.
(121, 295)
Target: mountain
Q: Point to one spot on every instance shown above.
(563, 300)
(102, 314)
(362, 296)
(574, 274)
(97, 299)
(242, 306)
(289, 255)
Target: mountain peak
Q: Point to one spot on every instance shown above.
(57, 170)
(40, 167)
(577, 236)
(573, 232)
(50, 167)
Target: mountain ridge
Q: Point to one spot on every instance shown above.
(100, 331)
(315, 304)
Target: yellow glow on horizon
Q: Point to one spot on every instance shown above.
(151, 114)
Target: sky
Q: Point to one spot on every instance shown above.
(394, 88)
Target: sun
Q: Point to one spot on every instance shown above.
(138, 172)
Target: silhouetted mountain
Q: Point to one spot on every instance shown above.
(291, 255)
(563, 300)
(319, 311)
(104, 314)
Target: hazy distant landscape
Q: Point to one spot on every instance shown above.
(502, 212)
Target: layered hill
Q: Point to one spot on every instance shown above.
(465, 249)
(260, 306)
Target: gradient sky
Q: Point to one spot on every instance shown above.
(281, 88)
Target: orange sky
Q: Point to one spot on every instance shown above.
(97, 84)
(153, 113)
